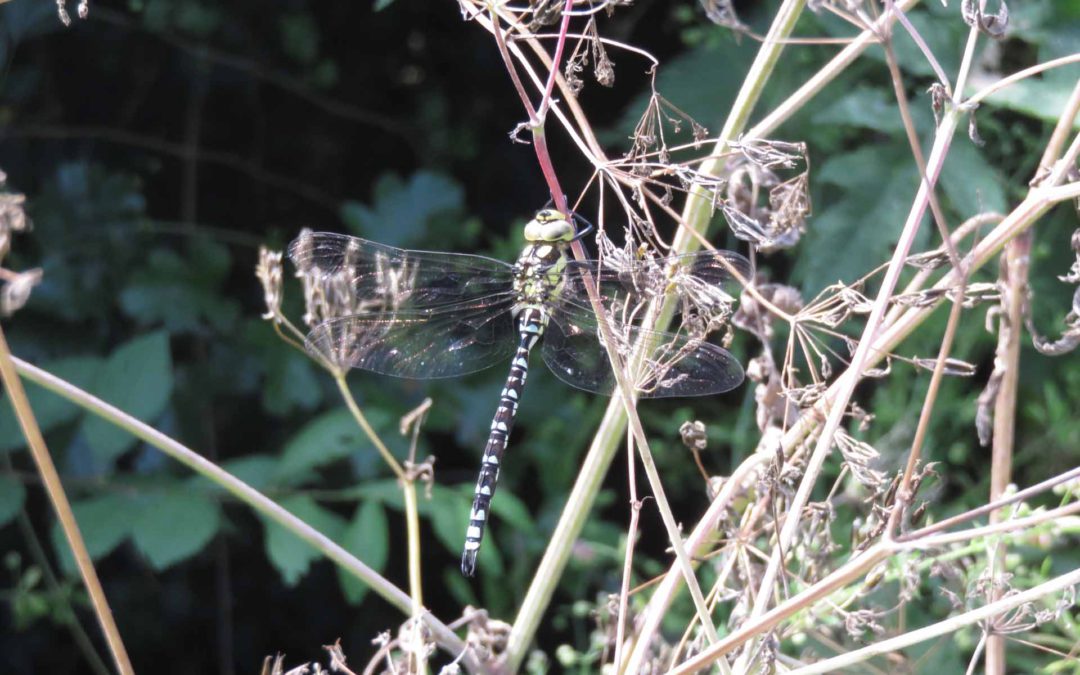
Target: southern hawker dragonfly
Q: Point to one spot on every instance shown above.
(424, 315)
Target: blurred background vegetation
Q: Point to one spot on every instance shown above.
(160, 142)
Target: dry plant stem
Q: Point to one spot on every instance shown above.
(1013, 498)
(950, 625)
(851, 377)
(792, 104)
(664, 594)
(514, 655)
(1039, 200)
(915, 454)
(856, 568)
(628, 560)
(1020, 219)
(916, 149)
(245, 493)
(362, 422)
(1015, 273)
(1021, 75)
(608, 434)
(1061, 131)
(408, 487)
(74, 626)
(55, 490)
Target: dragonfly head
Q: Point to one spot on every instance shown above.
(549, 225)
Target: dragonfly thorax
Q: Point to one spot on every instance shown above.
(538, 273)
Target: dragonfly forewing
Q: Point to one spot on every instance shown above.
(384, 277)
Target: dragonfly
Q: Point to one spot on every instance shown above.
(427, 315)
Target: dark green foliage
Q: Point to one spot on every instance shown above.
(154, 169)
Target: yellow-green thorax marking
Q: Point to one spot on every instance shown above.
(540, 266)
(538, 275)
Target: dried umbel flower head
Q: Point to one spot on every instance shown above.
(269, 273)
(15, 293)
(760, 207)
(12, 215)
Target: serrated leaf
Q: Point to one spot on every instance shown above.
(50, 410)
(137, 378)
(172, 526)
(104, 523)
(12, 497)
(329, 437)
(402, 210)
(291, 555)
(368, 538)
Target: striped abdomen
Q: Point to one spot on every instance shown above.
(531, 323)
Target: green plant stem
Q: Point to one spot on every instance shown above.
(53, 487)
(362, 422)
(412, 526)
(250, 496)
(609, 434)
(408, 487)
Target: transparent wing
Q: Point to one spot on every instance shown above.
(444, 341)
(623, 283)
(675, 365)
(384, 276)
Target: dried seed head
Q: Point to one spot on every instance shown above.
(269, 273)
(12, 215)
(15, 293)
(693, 435)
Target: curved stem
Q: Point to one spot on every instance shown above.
(443, 635)
(361, 420)
(51, 480)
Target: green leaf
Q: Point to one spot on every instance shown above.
(402, 210)
(50, 410)
(971, 183)
(137, 378)
(182, 293)
(862, 107)
(512, 510)
(368, 538)
(104, 523)
(877, 185)
(300, 37)
(448, 511)
(173, 526)
(329, 437)
(290, 385)
(12, 496)
(258, 471)
(291, 555)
